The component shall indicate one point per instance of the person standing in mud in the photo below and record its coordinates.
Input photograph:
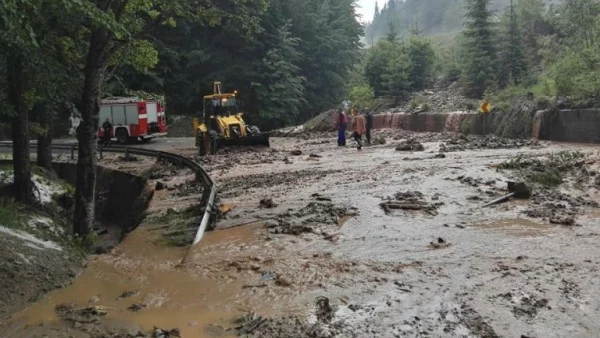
(107, 127)
(341, 124)
(369, 125)
(358, 128)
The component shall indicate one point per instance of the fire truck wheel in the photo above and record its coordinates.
(122, 136)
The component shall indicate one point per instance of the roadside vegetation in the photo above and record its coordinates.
(550, 171)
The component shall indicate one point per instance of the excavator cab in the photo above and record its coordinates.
(221, 123)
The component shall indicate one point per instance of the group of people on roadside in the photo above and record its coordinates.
(361, 125)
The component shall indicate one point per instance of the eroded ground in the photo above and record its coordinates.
(307, 249)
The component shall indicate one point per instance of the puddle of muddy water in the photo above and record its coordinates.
(516, 227)
(170, 296)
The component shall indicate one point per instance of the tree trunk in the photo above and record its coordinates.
(23, 187)
(44, 147)
(85, 187)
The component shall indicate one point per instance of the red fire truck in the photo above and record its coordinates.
(133, 119)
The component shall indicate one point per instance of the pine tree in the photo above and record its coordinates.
(480, 60)
(392, 34)
(282, 87)
(422, 59)
(513, 65)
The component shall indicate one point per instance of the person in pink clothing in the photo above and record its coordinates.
(359, 127)
(341, 122)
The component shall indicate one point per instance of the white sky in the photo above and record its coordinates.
(366, 8)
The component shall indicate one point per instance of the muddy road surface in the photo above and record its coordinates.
(314, 240)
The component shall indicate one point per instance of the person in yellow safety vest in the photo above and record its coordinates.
(358, 127)
(485, 107)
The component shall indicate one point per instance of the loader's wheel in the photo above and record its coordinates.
(213, 138)
(208, 143)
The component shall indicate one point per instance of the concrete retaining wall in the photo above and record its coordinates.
(121, 198)
(433, 122)
(580, 126)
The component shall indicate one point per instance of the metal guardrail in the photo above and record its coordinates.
(208, 195)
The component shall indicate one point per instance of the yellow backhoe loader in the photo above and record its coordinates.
(220, 123)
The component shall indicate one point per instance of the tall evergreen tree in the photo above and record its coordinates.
(281, 89)
(422, 59)
(513, 65)
(392, 34)
(480, 60)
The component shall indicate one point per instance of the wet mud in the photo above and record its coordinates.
(321, 233)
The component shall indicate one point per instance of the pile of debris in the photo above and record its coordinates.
(470, 142)
(441, 98)
(411, 201)
(558, 207)
(553, 170)
(316, 217)
(326, 322)
(410, 145)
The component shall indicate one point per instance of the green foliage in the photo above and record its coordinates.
(479, 53)
(362, 97)
(513, 64)
(396, 76)
(282, 88)
(377, 63)
(422, 59)
(11, 214)
(394, 70)
(549, 171)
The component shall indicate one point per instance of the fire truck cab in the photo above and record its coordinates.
(132, 119)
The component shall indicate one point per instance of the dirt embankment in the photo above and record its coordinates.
(38, 252)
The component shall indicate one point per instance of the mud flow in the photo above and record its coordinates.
(315, 240)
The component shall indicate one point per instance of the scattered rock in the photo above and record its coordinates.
(563, 220)
(315, 156)
(296, 152)
(411, 200)
(439, 244)
(160, 185)
(267, 203)
(410, 145)
(281, 281)
(310, 219)
(128, 293)
(136, 307)
(162, 333)
(90, 314)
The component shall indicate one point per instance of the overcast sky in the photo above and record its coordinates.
(366, 8)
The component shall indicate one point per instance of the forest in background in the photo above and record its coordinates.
(430, 17)
(499, 49)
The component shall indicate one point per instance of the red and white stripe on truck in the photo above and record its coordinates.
(132, 119)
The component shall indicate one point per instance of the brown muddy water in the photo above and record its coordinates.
(497, 274)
